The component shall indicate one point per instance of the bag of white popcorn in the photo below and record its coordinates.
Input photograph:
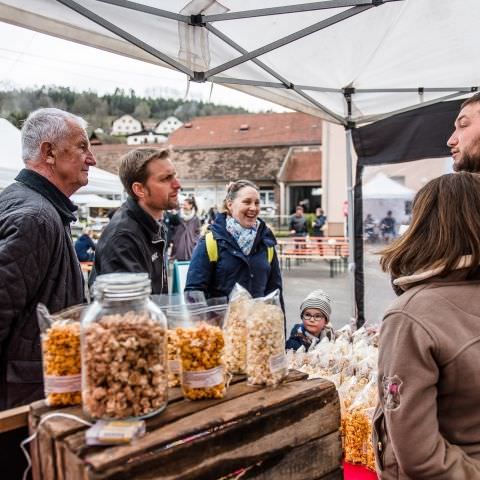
(235, 329)
(266, 358)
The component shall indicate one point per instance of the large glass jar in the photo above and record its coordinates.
(124, 350)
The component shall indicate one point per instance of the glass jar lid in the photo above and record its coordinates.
(122, 286)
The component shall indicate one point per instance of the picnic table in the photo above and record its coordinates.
(333, 250)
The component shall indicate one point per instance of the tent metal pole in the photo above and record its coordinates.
(304, 32)
(147, 9)
(126, 36)
(350, 227)
(375, 118)
(303, 7)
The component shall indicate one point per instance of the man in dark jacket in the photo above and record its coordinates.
(298, 223)
(37, 259)
(135, 238)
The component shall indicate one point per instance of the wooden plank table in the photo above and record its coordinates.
(290, 432)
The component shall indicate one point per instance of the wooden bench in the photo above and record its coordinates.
(333, 250)
(291, 432)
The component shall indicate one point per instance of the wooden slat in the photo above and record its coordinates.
(14, 418)
(178, 410)
(314, 459)
(262, 426)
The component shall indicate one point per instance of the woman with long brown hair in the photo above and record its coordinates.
(427, 422)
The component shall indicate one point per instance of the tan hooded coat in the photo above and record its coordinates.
(427, 423)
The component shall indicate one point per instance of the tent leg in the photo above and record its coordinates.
(350, 228)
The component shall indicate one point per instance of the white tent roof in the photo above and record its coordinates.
(380, 187)
(91, 200)
(99, 181)
(345, 60)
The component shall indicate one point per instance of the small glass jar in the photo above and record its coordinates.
(124, 350)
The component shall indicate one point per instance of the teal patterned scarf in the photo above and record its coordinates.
(243, 236)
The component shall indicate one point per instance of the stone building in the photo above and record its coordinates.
(269, 149)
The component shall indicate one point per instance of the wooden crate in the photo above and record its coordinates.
(291, 432)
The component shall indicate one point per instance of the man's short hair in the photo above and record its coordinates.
(473, 99)
(46, 125)
(134, 166)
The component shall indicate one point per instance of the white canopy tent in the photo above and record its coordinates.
(99, 181)
(351, 62)
(380, 187)
(90, 200)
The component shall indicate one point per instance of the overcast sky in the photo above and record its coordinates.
(29, 59)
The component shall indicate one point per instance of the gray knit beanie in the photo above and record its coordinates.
(317, 299)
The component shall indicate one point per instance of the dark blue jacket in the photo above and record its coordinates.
(82, 247)
(253, 272)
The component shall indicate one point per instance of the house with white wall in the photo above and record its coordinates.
(167, 126)
(145, 137)
(125, 125)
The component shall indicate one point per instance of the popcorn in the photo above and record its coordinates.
(124, 360)
(201, 352)
(174, 362)
(236, 333)
(350, 361)
(62, 363)
(266, 359)
(356, 434)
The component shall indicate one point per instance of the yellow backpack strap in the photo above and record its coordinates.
(270, 254)
(212, 248)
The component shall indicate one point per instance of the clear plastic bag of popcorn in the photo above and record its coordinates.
(357, 426)
(124, 350)
(236, 330)
(173, 306)
(61, 359)
(200, 343)
(266, 357)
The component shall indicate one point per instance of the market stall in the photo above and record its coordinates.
(249, 430)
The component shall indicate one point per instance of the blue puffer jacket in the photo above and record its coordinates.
(253, 272)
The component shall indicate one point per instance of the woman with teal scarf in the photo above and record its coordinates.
(245, 247)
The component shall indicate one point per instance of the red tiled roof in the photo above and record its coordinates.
(303, 166)
(263, 129)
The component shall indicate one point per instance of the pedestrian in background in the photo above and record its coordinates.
(85, 246)
(319, 223)
(427, 423)
(298, 223)
(187, 232)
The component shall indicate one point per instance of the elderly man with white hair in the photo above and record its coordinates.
(38, 263)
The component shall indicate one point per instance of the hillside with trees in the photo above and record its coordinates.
(100, 111)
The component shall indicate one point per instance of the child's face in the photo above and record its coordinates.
(314, 321)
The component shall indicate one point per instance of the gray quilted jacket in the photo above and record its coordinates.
(37, 264)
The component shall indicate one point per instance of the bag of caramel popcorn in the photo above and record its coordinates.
(60, 339)
(266, 358)
(357, 426)
(173, 306)
(236, 330)
(200, 344)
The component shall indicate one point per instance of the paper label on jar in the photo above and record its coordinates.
(203, 378)
(278, 362)
(174, 366)
(62, 384)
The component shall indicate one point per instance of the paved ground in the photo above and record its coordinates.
(302, 279)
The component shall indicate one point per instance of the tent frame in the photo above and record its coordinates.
(214, 74)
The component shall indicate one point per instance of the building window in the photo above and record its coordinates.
(267, 198)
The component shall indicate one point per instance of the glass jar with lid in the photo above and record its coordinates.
(124, 350)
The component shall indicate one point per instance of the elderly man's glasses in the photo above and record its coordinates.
(317, 317)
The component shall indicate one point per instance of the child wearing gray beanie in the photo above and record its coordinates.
(315, 313)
